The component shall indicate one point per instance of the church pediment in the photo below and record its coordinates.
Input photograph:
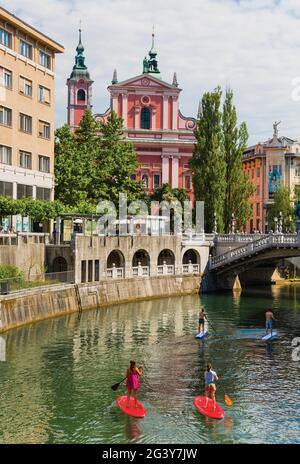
(144, 81)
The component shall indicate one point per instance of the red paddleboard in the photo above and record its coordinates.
(209, 411)
(131, 410)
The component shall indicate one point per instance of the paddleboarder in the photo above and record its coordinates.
(269, 320)
(202, 316)
(210, 377)
(133, 383)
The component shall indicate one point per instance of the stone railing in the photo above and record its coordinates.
(23, 237)
(236, 238)
(266, 241)
(115, 273)
(141, 271)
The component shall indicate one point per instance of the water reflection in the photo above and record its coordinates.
(55, 383)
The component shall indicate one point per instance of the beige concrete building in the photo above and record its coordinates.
(27, 104)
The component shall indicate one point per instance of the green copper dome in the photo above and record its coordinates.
(150, 66)
(80, 70)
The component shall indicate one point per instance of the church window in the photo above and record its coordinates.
(81, 95)
(145, 118)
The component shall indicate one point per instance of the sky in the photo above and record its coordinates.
(251, 46)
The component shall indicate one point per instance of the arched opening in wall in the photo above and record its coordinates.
(81, 95)
(191, 256)
(141, 256)
(59, 264)
(166, 257)
(145, 118)
(145, 181)
(115, 259)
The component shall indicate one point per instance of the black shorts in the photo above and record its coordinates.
(201, 321)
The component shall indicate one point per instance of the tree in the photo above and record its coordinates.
(71, 181)
(282, 204)
(115, 163)
(208, 161)
(167, 193)
(238, 187)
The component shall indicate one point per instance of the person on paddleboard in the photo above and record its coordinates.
(133, 383)
(202, 316)
(210, 377)
(269, 320)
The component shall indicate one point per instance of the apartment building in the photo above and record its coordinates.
(27, 105)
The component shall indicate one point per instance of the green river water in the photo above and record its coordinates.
(56, 377)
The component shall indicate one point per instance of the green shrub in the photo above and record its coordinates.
(7, 271)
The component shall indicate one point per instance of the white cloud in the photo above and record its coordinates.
(251, 45)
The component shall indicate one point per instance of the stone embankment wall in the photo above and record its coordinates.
(40, 303)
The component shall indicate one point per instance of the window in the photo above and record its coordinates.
(145, 181)
(90, 270)
(26, 49)
(257, 172)
(43, 194)
(25, 159)
(257, 209)
(156, 181)
(5, 154)
(25, 87)
(5, 116)
(44, 130)
(6, 189)
(44, 59)
(44, 163)
(187, 183)
(297, 170)
(6, 78)
(97, 268)
(24, 191)
(44, 95)
(83, 271)
(81, 95)
(25, 123)
(5, 38)
(145, 118)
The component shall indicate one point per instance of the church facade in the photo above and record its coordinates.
(163, 137)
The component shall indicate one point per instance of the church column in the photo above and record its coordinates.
(175, 161)
(165, 112)
(165, 169)
(137, 111)
(175, 112)
(114, 96)
(153, 118)
(124, 107)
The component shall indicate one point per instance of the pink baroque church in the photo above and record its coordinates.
(149, 106)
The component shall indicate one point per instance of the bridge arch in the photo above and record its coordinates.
(141, 256)
(192, 256)
(166, 256)
(115, 259)
(59, 264)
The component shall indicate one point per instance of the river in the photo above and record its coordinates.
(56, 377)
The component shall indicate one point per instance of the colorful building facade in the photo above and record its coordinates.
(269, 164)
(27, 105)
(149, 106)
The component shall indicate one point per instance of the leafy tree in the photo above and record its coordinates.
(69, 168)
(167, 193)
(282, 204)
(208, 161)
(238, 187)
(115, 163)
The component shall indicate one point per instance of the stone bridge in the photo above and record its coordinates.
(248, 260)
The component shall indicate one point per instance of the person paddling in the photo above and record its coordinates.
(210, 377)
(269, 320)
(202, 316)
(133, 383)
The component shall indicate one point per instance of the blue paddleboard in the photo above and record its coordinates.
(202, 334)
(269, 337)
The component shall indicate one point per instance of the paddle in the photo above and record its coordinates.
(116, 385)
(227, 399)
(210, 324)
